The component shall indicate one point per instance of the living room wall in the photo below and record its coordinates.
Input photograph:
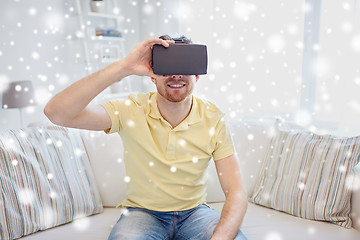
(40, 42)
(295, 60)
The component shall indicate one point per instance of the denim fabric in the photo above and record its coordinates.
(140, 224)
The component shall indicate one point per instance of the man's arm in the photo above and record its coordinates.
(235, 205)
(70, 107)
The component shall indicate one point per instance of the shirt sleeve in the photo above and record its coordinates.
(224, 146)
(113, 108)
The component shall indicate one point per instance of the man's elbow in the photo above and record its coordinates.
(243, 197)
(53, 115)
(240, 195)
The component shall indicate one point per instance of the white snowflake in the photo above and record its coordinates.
(81, 224)
(32, 11)
(79, 152)
(212, 131)
(47, 217)
(148, 9)
(303, 117)
(273, 236)
(276, 43)
(355, 43)
(182, 142)
(250, 137)
(50, 176)
(130, 123)
(26, 196)
(127, 179)
(243, 10)
(301, 186)
(346, 6)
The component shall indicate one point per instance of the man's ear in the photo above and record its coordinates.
(197, 77)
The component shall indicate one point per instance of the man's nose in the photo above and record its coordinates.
(176, 76)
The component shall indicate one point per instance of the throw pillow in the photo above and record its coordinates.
(46, 180)
(305, 174)
(354, 184)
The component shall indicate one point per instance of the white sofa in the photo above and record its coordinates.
(251, 141)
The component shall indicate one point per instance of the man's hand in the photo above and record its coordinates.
(70, 107)
(138, 62)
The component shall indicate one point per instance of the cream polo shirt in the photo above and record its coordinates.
(166, 166)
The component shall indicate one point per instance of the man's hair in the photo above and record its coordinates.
(183, 38)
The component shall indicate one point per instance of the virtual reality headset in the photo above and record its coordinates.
(180, 59)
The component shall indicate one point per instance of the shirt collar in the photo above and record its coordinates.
(193, 117)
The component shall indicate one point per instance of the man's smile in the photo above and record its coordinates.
(176, 85)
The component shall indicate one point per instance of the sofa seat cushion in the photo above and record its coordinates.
(94, 227)
(261, 223)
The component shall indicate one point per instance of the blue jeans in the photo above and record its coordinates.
(142, 224)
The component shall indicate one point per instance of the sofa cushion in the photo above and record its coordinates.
(96, 227)
(305, 174)
(261, 223)
(354, 184)
(46, 180)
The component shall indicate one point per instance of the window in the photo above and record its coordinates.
(337, 97)
(255, 54)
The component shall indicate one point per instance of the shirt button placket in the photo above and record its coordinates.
(170, 153)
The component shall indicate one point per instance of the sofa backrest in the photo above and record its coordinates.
(251, 141)
(106, 153)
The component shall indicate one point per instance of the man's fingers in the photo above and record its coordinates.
(151, 41)
(170, 41)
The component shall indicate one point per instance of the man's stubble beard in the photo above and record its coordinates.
(176, 98)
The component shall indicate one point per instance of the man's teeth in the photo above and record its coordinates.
(177, 85)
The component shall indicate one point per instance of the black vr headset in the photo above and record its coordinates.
(179, 59)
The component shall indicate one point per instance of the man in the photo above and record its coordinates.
(169, 137)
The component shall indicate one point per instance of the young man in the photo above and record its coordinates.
(169, 138)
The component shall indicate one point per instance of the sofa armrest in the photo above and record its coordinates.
(355, 197)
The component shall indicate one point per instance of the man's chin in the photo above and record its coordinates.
(176, 98)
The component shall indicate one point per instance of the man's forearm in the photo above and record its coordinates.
(71, 101)
(232, 215)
